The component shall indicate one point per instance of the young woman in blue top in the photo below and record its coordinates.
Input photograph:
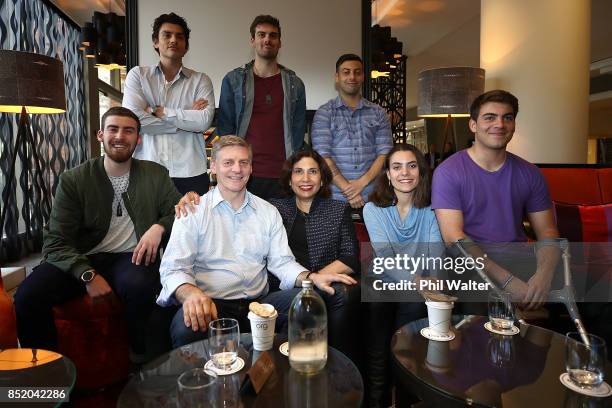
(399, 220)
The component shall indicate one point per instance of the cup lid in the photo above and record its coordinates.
(268, 307)
(440, 305)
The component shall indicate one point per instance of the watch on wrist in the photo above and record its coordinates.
(88, 276)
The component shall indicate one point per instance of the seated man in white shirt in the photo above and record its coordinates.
(217, 259)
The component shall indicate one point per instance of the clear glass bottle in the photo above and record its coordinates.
(307, 331)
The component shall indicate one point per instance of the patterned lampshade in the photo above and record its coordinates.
(449, 91)
(33, 81)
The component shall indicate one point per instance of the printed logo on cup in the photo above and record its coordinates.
(262, 326)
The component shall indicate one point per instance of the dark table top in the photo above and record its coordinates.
(486, 369)
(338, 385)
(18, 369)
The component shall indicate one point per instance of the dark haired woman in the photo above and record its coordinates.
(322, 238)
(399, 220)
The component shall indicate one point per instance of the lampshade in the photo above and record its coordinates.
(31, 80)
(449, 91)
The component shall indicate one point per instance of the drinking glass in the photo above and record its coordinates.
(501, 350)
(501, 312)
(197, 388)
(224, 340)
(585, 364)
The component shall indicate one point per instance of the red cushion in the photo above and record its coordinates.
(8, 325)
(573, 185)
(362, 232)
(605, 184)
(94, 336)
(584, 223)
(365, 249)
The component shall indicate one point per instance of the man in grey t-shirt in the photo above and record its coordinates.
(108, 218)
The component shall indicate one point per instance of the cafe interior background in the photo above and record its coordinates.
(555, 55)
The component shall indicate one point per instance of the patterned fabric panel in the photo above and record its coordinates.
(60, 140)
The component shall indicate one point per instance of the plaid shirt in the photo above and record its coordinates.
(352, 138)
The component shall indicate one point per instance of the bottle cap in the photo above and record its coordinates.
(307, 283)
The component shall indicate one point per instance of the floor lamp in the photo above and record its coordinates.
(29, 84)
(448, 93)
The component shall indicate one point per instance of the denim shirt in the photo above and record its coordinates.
(236, 105)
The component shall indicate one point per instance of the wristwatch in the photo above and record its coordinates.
(88, 276)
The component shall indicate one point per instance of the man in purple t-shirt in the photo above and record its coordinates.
(482, 193)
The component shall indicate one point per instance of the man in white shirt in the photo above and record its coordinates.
(217, 259)
(175, 106)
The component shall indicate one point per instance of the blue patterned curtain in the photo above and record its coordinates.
(61, 140)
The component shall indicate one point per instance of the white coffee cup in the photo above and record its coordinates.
(262, 329)
(438, 356)
(439, 314)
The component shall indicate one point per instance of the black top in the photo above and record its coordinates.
(329, 232)
(297, 240)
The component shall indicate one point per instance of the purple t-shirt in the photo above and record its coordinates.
(493, 203)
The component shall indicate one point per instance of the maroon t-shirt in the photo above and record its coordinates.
(265, 132)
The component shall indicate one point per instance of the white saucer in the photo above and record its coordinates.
(284, 349)
(429, 334)
(602, 390)
(514, 330)
(237, 366)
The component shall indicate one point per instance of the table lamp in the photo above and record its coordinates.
(448, 93)
(29, 84)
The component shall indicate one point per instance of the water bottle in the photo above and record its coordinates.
(307, 331)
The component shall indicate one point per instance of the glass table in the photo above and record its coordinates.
(480, 368)
(38, 370)
(338, 385)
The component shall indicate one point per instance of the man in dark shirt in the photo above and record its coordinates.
(265, 103)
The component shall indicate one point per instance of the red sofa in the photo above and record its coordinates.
(582, 195)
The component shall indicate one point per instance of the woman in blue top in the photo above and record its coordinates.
(399, 221)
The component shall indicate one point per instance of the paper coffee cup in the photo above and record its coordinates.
(262, 329)
(439, 314)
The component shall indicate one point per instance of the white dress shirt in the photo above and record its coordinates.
(174, 140)
(227, 252)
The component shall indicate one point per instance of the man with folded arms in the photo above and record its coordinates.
(481, 194)
(108, 218)
(217, 259)
(175, 104)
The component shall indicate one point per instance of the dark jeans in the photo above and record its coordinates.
(383, 319)
(136, 285)
(236, 309)
(265, 188)
(199, 184)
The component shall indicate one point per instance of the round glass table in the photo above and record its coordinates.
(338, 385)
(481, 368)
(37, 371)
